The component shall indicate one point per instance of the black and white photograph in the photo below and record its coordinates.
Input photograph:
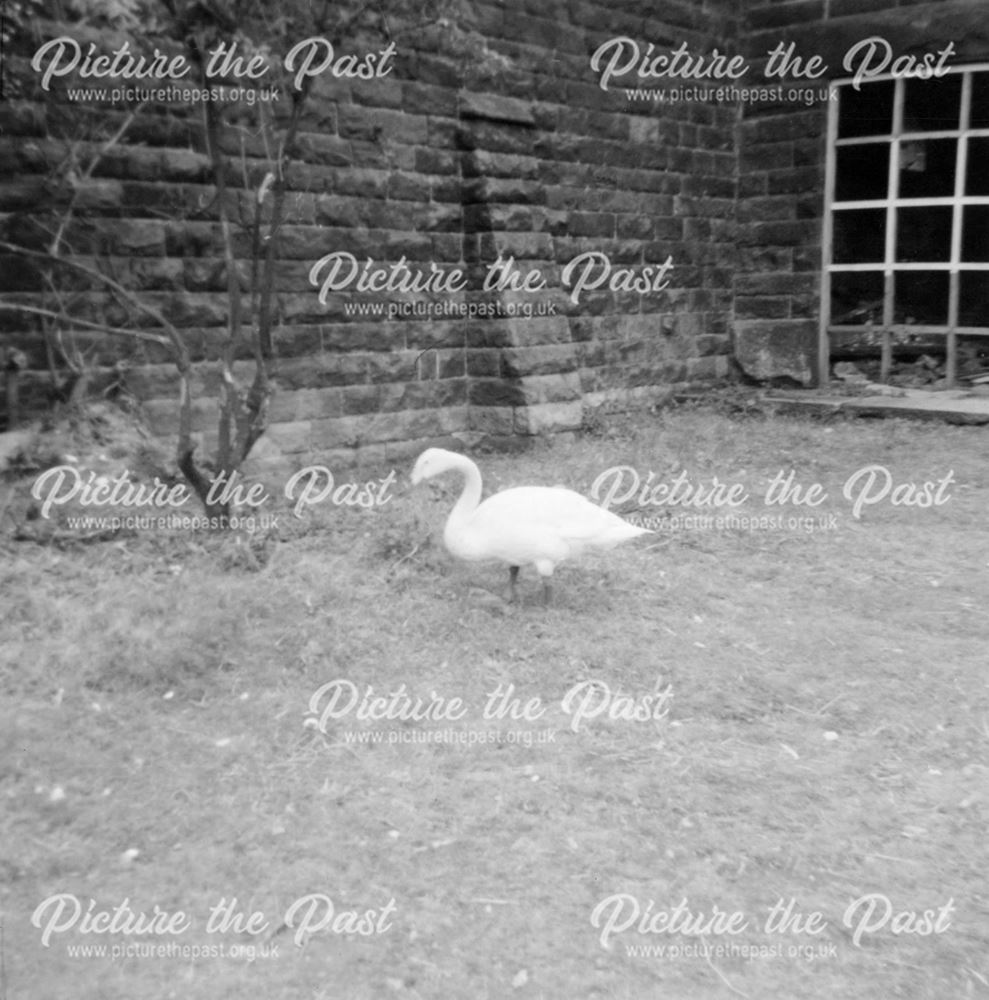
(494, 499)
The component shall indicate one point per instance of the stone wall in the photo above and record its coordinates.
(451, 163)
(437, 163)
(782, 147)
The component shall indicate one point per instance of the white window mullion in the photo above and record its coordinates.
(827, 249)
(957, 218)
(892, 193)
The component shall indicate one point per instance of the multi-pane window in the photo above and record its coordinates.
(907, 234)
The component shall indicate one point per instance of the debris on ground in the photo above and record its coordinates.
(97, 441)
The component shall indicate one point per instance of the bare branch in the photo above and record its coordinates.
(88, 173)
(173, 336)
(117, 331)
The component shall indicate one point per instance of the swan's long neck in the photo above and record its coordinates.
(467, 503)
(470, 496)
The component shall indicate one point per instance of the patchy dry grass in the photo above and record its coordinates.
(827, 738)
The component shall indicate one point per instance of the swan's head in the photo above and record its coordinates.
(433, 462)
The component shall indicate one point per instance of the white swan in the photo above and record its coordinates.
(542, 525)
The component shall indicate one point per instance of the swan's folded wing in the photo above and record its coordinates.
(553, 517)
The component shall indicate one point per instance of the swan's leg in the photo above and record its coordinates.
(513, 575)
(545, 571)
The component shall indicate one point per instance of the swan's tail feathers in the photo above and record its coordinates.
(624, 532)
(595, 527)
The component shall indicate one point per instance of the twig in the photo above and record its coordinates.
(115, 330)
(902, 965)
(88, 173)
(128, 296)
(982, 979)
(407, 556)
(185, 449)
(719, 973)
(817, 712)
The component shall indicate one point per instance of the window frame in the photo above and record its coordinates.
(889, 266)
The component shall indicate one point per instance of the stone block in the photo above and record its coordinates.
(782, 233)
(484, 363)
(324, 150)
(391, 366)
(784, 349)
(163, 415)
(382, 124)
(306, 404)
(709, 343)
(408, 187)
(136, 236)
(359, 182)
(797, 180)
(636, 227)
(495, 392)
(539, 389)
(335, 432)
(357, 399)
(406, 425)
(498, 420)
(428, 100)
(781, 15)
(436, 161)
(436, 393)
(598, 224)
(538, 360)
(292, 437)
(485, 163)
(549, 418)
(450, 363)
(761, 307)
(774, 283)
(524, 332)
(321, 371)
(525, 247)
(495, 107)
(181, 165)
(420, 337)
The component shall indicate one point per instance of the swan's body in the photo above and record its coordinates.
(541, 525)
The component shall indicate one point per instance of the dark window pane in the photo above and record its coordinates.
(862, 172)
(923, 234)
(868, 111)
(977, 172)
(979, 116)
(975, 233)
(927, 168)
(920, 297)
(932, 105)
(973, 298)
(973, 355)
(856, 298)
(860, 236)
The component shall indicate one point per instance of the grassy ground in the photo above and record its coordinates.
(826, 739)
